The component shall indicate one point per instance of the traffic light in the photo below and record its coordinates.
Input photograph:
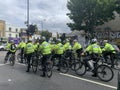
(31, 30)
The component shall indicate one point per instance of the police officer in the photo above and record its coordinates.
(21, 46)
(77, 47)
(67, 48)
(94, 51)
(29, 50)
(36, 46)
(109, 50)
(11, 47)
(45, 50)
(59, 50)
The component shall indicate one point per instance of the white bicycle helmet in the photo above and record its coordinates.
(94, 40)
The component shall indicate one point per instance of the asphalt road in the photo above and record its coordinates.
(16, 78)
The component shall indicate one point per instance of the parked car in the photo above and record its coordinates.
(3, 47)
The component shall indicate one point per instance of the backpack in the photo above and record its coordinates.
(13, 46)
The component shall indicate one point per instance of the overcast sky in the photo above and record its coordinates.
(51, 12)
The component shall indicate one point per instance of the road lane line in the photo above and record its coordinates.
(87, 80)
(2, 64)
(21, 64)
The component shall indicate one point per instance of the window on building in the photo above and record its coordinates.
(10, 28)
(10, 35)
(16, 30)
(16, 36)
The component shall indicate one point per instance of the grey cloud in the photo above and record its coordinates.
(53, 11)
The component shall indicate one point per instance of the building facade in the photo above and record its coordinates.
(2, 32)
(2, 28)
(110, 30)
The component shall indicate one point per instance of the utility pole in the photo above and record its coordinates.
(28, 17)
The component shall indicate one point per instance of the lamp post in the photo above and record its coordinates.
(28, 17)
(27, 13)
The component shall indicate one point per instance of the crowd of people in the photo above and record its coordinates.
(58, 48)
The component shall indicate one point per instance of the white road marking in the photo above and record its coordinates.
(83, 79)
(9, 80)
(87, 80)
(20, 64)
(2, 64)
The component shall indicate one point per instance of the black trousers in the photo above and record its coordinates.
(112, 56)
(93, 57)
(79, 51)
(59, 58)
(68, 53)
(29, 58)
(44, 60)
(7, 55)
(22, 54)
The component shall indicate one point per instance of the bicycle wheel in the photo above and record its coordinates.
(75, 66)
(39, 65)
(12, 60)
(49, 69)
(34, 65)
(19, 57)
(64, 67)
(105, 73)
(55, 62)
(82, 69)
(117, 64)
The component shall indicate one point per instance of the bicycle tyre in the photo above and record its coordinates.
(34, 65)
(49, 70)
(117, 64)
(64, 67)
(12, 60)
(82, 69)
(102, 70)
(75, 66)
(19, 57)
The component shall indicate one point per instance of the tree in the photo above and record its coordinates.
(87, 14)
(32, 29)
(46, 34)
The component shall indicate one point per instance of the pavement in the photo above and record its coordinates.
(16, 78)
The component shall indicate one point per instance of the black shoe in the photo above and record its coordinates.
(27, 71)
(42, 75)
(94, 75)
(112, 66)
(88, 69)
(58, 69)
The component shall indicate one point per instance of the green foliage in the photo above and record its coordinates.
(31, 30)
(46, 34)
(87, 14)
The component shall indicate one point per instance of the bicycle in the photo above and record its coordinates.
(61, 63)
(19, 58)
(104, 72)
(11, 59)
(72, 61)
(36, 64)
(107, 61)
